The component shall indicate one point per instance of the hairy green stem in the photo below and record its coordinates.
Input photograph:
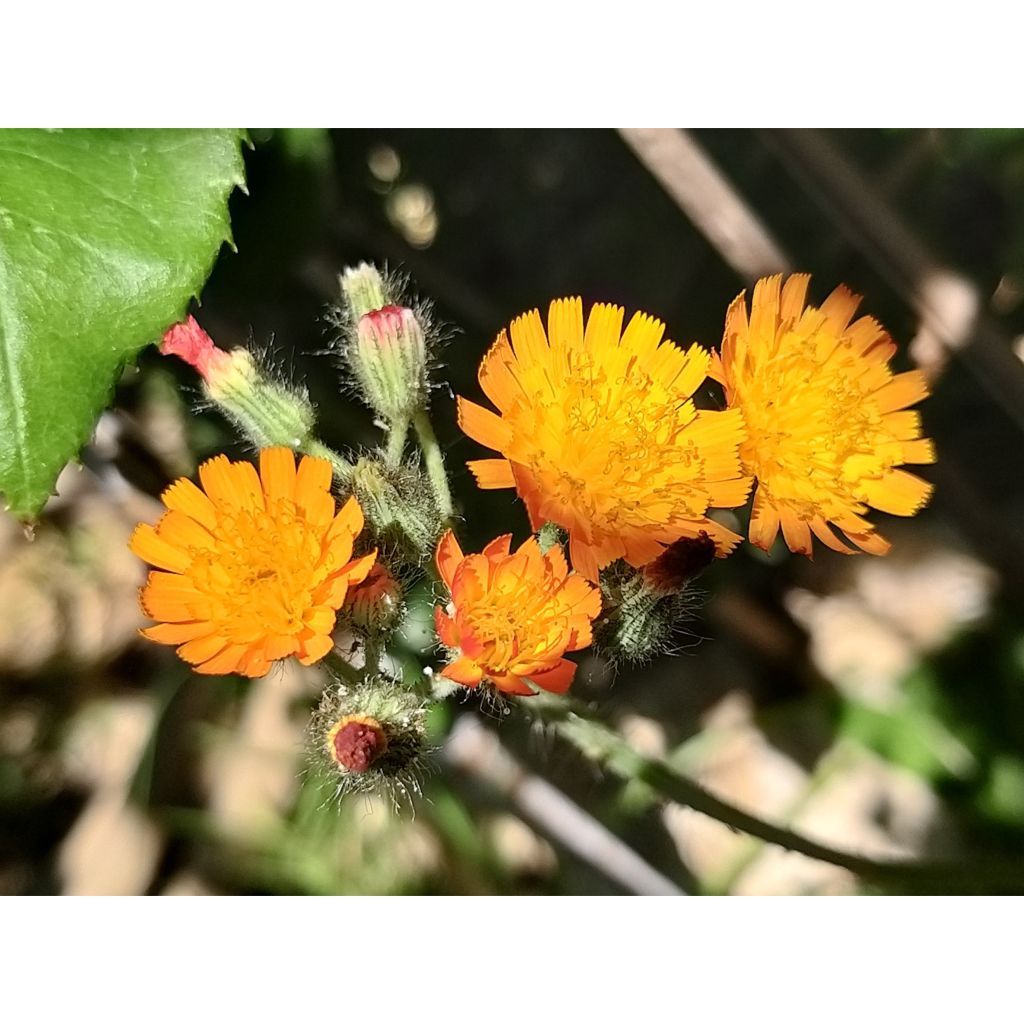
(434, 462)
(600, 743)
(396, 442)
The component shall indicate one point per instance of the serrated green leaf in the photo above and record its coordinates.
(105, 236)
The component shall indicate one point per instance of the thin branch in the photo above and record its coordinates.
(705, 195)
(600, 743)
(477, 751)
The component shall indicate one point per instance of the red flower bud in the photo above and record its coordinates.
(190, 342)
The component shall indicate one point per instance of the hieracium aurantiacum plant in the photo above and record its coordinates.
(630, 479)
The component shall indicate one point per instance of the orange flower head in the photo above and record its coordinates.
(512, 616)
(253, 567)
(598, 434)
(827, 420)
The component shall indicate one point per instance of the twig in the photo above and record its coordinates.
(600, 743)
(476, 750)
(705, 195)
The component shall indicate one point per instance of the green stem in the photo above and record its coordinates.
(371, 656)
(434, 462)
(598, 742)
(396, 442)
(341, 466)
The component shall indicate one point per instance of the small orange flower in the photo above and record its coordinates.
(254, 569)
(827, 420)
(512, 616)
(598, 433)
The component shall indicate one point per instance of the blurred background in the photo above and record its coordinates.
(876, 705)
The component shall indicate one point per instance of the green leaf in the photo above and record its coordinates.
(105, 236)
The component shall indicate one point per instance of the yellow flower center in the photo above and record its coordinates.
(261, 572)
(813, 430)
(611, 449)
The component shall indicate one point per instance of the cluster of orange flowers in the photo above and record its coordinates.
(597, 430)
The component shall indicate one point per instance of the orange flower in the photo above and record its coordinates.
(599, 434)
(512, 617)
(826, 418)
(254, 569)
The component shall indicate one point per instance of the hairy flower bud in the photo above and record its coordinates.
(364, 290)
(265, 411)
(645, 609)
(399, 504)
(376, 604)
(389, 360)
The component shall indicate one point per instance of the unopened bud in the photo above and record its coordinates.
(399, 503)
(375, 605)
(364, 290)
(265, 411)
(389, 360)
(681, 562)
(645, 609)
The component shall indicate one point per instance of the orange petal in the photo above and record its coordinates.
(642, 335)
(182, 531)
(839, 307)
(764, 309)
(604, 326)
(499, 547)
(529, 342)
(483, 426)
(228, 661)
(277, 471)
(315, 648)
(497, 375)
(464, 671)
(764, 522)
(794, 296)
(821, 530)
(227, 484)
(903, 390)
(796, 532)
(357, 570)
(557, 679)
(202, 649)
(492, 474)
(349, 521)
(177, 632)
(898, 493)
(153, 549)
(584, 558)
(449, 557)
(184, 496)
(445, 626)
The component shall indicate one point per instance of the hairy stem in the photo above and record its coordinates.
(600, 743)
(396, 442)
(434, 462)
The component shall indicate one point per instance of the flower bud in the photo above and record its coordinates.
(363, 289)
(371, 737)
(399, 504)
(376, 604)
(681, 562)
(389, 360)
(265, 411)
(645, 609)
